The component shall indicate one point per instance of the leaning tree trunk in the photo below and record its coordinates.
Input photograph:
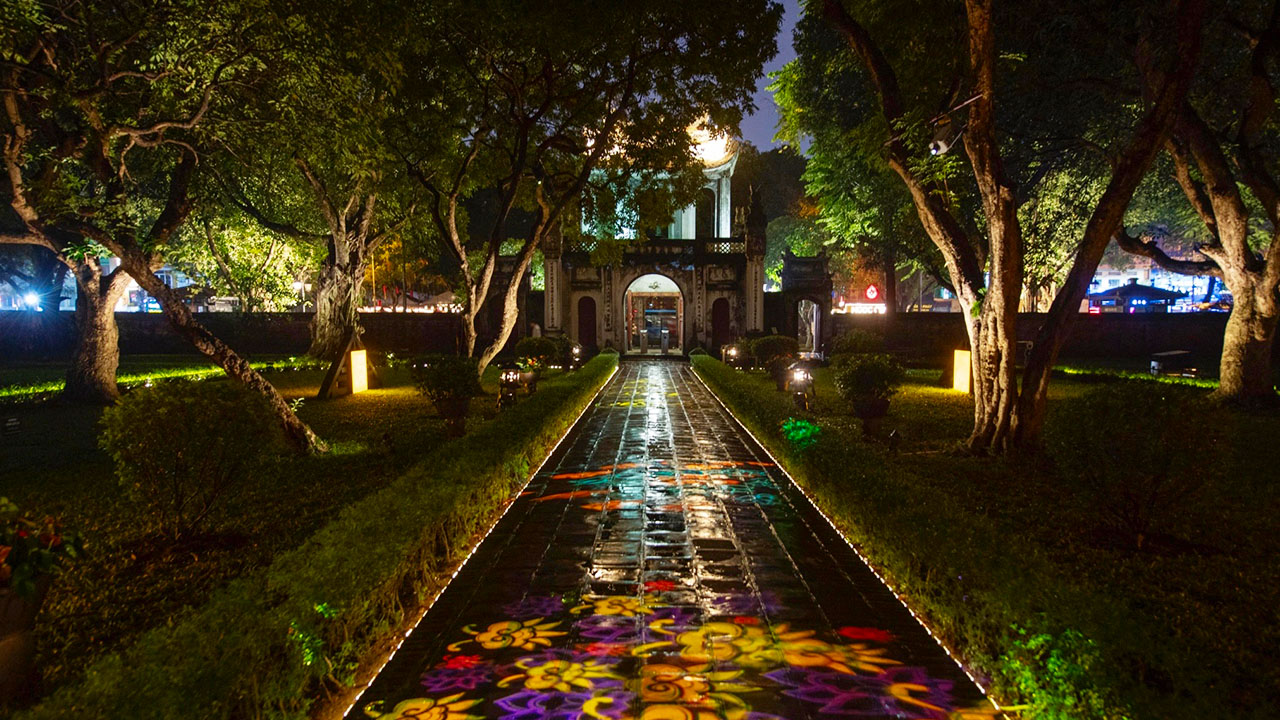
(184, 323)
(337, 297)
(1245, 372)
(92, 375)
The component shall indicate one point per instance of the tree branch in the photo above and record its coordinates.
(327, 207)
(1149, 249)
(248, 208)
(178, 204)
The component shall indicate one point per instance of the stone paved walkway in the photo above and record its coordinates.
(660, 568)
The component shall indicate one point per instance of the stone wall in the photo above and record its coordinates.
(935, 335)
(25, 335)
(926, 336)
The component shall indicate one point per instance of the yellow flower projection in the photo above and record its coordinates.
(621, 605)
(746, 645)
(676, 712)
(698, 687)
(753, 646)
(800, 649)
(452, 707)
(559, 675)
(527, 635)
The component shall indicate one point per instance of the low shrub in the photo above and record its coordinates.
(697, 351)
(775, 353)
(767, 349)
(867, 382)
(856, 342)
(1144, 451)
(180, 449)
(540, 352)
(564, 349)
(270, 645)
(450, 381)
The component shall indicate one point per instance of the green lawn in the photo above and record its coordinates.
(131, 582)
(1187, 628)
(19, 380)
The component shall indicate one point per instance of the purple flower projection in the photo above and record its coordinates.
(676, 619)
(534, 705)
(608, 629)
(894, 692)
(457, 679)
(534, 606)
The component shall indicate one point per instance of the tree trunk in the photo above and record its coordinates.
(1245, 374)
(890, 299)
(184, 323)
(92, 375)
(993, 382)
(469, 335)
(337, 298)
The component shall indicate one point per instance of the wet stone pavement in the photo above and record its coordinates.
(659, 567)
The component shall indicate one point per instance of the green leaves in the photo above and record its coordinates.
(85, 249)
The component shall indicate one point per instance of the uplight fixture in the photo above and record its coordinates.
(359, 365)
(960, 371)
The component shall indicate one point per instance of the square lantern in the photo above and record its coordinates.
(359, 371)
(960, 371)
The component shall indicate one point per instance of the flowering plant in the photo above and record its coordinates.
(31, 549)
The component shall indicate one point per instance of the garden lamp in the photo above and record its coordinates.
(508, 384)
(800, 382)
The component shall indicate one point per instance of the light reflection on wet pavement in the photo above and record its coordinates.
(660, 568)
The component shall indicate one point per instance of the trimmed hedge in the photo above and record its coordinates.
(269, 645)
(1040, 637)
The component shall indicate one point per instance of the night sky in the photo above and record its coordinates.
(759, 127)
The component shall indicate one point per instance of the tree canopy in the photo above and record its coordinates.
(581, 130)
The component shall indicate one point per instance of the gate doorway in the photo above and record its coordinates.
(587, 323)
(721, 334)
(655, 316)
(808, 317)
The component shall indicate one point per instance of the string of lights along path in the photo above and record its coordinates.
(661, 567)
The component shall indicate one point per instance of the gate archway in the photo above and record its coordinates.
(655, 315)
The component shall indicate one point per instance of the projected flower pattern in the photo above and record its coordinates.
(635, 657)
(699, 671)
(653, 653)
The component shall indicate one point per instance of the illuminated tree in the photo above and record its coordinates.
(108, 109)
(310, 160)
(1221, 161)
(231, 256)
(920, 98)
